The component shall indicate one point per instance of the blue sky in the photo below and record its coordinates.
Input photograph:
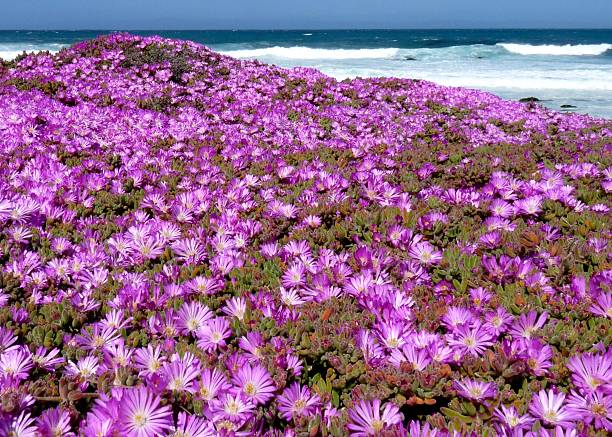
(309, 14)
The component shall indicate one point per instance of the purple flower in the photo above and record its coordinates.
(297, 401)
(592, 408)
(192, 316)
(193, 426)
(425, 253)
(409, 353)
(510, 420)
(54, 422)
(214, 333)
(141, 415)
(475, 390)
(549, 406)
(366, 418)
(235, 408)
(180, 375)
(255, 383)
(473, 340)
(527, 324)
(16, 363)
(592, 372)
(211, 385)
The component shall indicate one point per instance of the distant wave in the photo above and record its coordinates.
(12, 50)
(553, 50)
(312, 53)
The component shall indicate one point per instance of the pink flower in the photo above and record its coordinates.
(141, 415)
(366, 418)
(297, 401)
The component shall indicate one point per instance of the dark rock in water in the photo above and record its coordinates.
(479, 57)
(409, 58)
(567, 106)
(529, 99)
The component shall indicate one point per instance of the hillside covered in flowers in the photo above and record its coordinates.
(192, 245)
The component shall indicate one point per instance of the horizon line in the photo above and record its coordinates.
(294, 29)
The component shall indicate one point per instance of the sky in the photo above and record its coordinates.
(308, 14)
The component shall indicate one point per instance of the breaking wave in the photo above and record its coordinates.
(313, 53)
(553, 50)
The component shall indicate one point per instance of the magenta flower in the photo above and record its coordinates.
(234, 408)
(149, 360)
(193, 426)
(602, 306)
(214, 333)
(548, 405)
(527, 324)
(294, 276)
(211, 384)
(538, 357)
(593, 408)
(180, 376)
(425, 253)
(298, 401)
(529, 206)
(475, 390)
(472, 340)
(16, 363)
(592, 372)
(510, 420)
(255, 383)
(409, 353)
(54, 422)
(366, 418)
(21, 426)
(141, 415)
(192, 316)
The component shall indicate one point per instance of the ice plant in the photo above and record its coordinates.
(475, 390)
(141, 415)
(194, 245)
(367, 419)
(297, 401)
(548, 406)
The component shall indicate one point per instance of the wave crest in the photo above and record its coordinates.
(553, 50)
(312, 53)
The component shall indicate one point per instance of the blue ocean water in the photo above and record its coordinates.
(560, 67)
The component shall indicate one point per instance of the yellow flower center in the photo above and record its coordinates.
(378, 425)
(250, 389)
(139, 419)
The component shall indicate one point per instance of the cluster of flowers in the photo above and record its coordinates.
(192, 245)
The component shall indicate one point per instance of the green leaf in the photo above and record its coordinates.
(455, 415)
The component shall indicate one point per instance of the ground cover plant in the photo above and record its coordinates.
(193, 245)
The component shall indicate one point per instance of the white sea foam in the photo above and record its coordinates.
(12, 50)
(553, 50)
(309, 53)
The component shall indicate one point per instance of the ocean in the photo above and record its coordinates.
(568, 70)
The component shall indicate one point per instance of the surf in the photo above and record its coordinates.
(557, 50)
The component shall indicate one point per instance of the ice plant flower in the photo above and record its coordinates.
(367, 419)
(297, 401)
(188, 239)
(255, 383)
(141, 415)
(593, 408)
(475, 390)
(548, 406)
(510, 420)
(592, 372)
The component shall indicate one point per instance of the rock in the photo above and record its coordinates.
(568, 106)
(529, 99)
